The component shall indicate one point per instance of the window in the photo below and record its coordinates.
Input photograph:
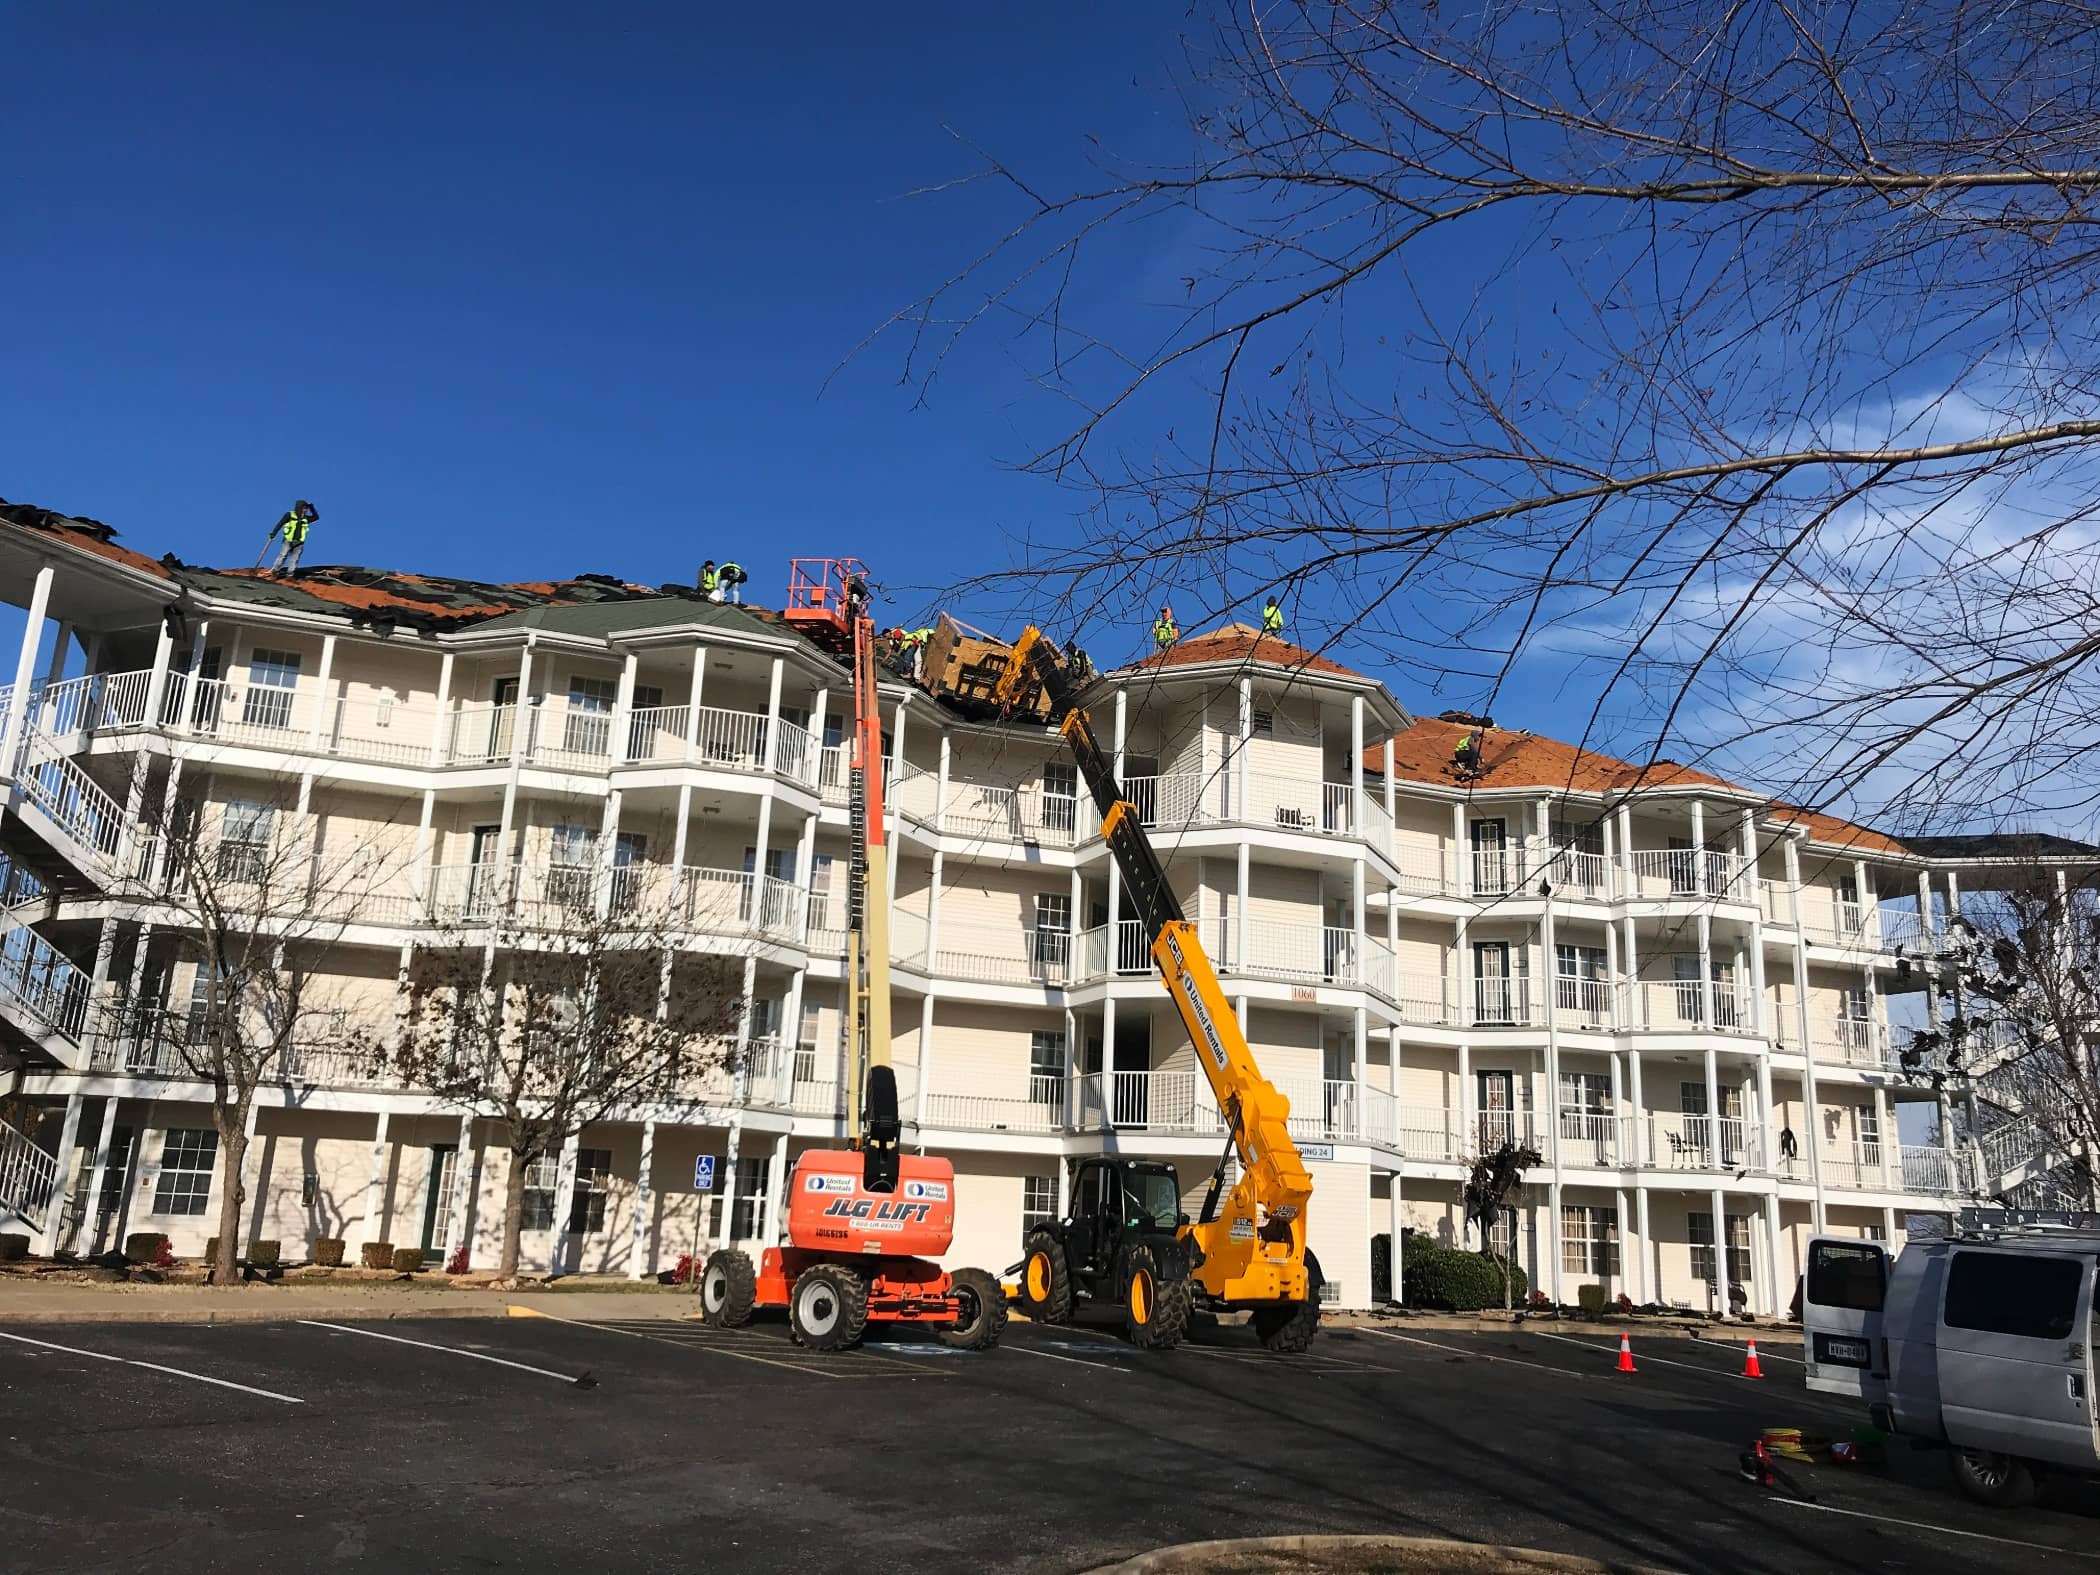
(570, 853)
(1052, 940)
(587, 724)
(1589, 1240)
(1502, 1239)
(2014, 1293)
(1038, 1200)
(1578, 983)
(187, 1155)
(1046, 1067)
(1587, 1093)
(1700, 1228)
(750, 1212)
(1684, 867)
(272, 676)
(1843, 1276)
(244, 840)
(541, 1173)
(1060, 797)
(587, 1204)
(806, 1044)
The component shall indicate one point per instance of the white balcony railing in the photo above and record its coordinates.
(1688, 1142)
(40, 980)
(1680, 1006)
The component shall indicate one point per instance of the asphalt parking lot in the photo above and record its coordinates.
(469, 1444)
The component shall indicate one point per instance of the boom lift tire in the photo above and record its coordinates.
(728, 1289)
(1046, 1280)
(1289, 1330)
(983, 1317)
(1155, 1303)
(828, 1308)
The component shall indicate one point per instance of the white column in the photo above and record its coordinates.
(776, 1191)
(1396, 1227)
(1239, 911)
(1363, 1063)
(1468, 1130)
(1108, 1058)
(375, 1223)
(1239, 764)
(1641, 1145)
(25, 665)
(1643, 1293)
(1707, 1019)
(1814, 1120)
(772, 746)
(439, 720)
(1392, 791)
(1357, 899)
(1356, 763)
(564, 1200)
(1720, 1208)
(1621, 1219)
(1713, 1109)
(889, 800)
(324, 718)
(465, 1166)
(637, 1268)
(1071, 1100)
(925, 1061)
(68, 1140)
(623, 711)
(940, 800)
(1775, 1304)
(933, 913)
(1891, 1166)
(1619, 1123)
(692, 705)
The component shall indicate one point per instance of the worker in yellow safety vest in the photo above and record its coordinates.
(1465, 754)
(290, 535)
(1164, 633)
(913, 649)
(1271, 617)
(710, 580)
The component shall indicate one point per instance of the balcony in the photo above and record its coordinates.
(695, 900)
(1041, 1109)
(1694, 1142)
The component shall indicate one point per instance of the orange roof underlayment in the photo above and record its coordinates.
(1236, 642)
(1513, 759)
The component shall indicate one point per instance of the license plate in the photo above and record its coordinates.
(1843, 1352)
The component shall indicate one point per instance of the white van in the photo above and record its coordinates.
(1981, 1340)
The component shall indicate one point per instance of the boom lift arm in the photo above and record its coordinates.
(1254, 1251)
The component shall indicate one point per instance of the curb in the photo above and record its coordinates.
(197, 1315)
(1193, 1556)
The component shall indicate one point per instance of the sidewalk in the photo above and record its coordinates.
(349, 1302)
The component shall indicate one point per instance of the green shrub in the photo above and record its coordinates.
(145, 1246)
(408, 1260)
(376, 1255)
(328, 1251)
(13, 1248)
(1590, 1298)
(1455, 1281)
(265, 1254)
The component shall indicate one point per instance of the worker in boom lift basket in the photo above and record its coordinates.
(291, 527)
(1164, 633)
(912, 653)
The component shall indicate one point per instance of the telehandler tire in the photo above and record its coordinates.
(728, 1290)
(828, 1307)
(983, 1317)
(1046, 1279)
(1155, 1304)
(1289, 1330)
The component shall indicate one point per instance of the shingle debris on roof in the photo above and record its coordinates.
(77, 531)
(1237, 642)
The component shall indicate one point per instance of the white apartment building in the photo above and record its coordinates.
(1674, 988)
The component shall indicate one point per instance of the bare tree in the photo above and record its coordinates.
(550, 1015)
(1740, 355)
(2020, 979)
(260, 906)
(1494, 1182)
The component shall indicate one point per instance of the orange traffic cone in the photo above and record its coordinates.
(1750, 1367)
(1626, 1355)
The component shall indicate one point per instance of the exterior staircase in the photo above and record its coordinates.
(28, 1178)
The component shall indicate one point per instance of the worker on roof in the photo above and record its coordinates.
(710, 580)
(728, 586)
(1465, 754)
(1271, 617)
(913, 651)
(292, 527)
(1164, 633)
(1081, 664)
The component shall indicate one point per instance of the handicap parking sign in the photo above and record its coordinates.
(704, 1173)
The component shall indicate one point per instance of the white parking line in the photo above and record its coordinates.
(1481, 1356)
(583, 1381)
(1943, 1531)
(156, 1367)
(1029, 1350)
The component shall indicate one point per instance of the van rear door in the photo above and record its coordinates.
(1842, 1297)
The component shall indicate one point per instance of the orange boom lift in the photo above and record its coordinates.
(864, 1222)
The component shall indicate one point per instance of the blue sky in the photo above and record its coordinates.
(525, 290)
